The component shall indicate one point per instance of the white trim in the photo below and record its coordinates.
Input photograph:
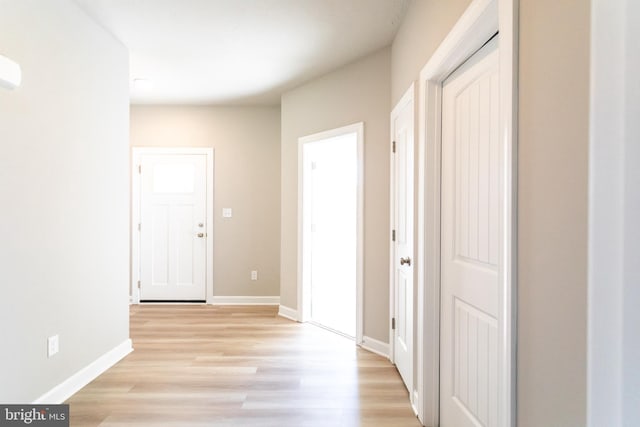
(613, 348)
(288, 313)
(84, 376)
(508, 13)
(375, 346)
(244, 300)
(303, 291)
(481, 20)
(134, 232)
(210, 220)
(136, 153)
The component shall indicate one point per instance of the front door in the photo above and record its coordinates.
(470, 239)
(402, 264)
(173, 228)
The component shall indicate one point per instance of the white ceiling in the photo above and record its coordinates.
(241, 51)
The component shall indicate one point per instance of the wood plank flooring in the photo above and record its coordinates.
(234, 366)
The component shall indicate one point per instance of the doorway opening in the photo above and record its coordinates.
(330, 230)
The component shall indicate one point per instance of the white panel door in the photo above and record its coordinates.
(173, 227)
(402, 263)
(470, 243)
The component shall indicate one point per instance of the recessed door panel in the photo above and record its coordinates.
(159, 245)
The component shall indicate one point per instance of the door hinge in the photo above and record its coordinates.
(393, 235)
(139, 226)
(393, 146)
(139, 168)
(393, 323)
(138, 284)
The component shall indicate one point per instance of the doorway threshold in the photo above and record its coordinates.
(335, 331)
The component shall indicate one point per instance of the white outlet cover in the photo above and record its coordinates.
(53, 345)
(254, 275)
(227, 212)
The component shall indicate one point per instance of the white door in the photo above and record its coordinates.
(331, 166)
(402, 224)
(173, 229)
(470, 242)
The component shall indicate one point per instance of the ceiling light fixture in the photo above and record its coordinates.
(10, 73)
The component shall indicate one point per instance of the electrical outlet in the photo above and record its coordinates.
(53, 345)
(254, 275)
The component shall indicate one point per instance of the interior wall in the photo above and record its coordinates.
(64, 188)
(425, 25)
(552, 199)
(246, 143)
(358, 92)
(553, 167)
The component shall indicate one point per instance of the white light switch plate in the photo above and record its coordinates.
(227, 212)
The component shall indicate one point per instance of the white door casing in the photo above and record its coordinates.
(172, 224)
(613, 352)
(471, 172)
(402, 223)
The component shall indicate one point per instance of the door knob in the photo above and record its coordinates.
(404, 261)
(200, 234)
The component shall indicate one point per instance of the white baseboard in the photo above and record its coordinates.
(84, 376)
(225, 300)
(375, 346)
(288, 313)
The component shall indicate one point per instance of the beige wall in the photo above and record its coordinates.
(552, 207)
(358, 92)
(552, 261)
(63, 184)
(425, 25)
(246, 142)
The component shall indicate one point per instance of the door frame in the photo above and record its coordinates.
(481, 20)
(614, 228)
(136, 154)
(407, 97)
(304, 293)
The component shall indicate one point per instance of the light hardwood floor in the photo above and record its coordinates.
(237, 366)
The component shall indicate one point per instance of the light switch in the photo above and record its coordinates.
(227, 213)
